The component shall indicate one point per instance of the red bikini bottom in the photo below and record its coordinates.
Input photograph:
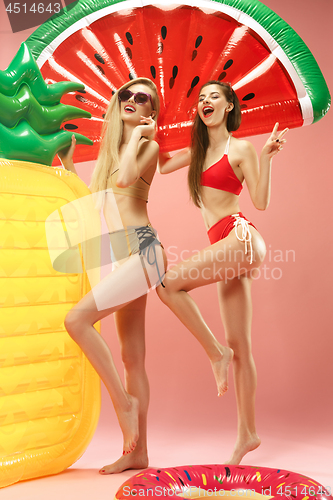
(224, 226)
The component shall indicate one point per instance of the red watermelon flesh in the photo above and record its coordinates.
(179, 49)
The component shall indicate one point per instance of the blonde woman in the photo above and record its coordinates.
(121, 180)
(219, 164)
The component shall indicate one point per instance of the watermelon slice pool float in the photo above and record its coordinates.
(104, 43)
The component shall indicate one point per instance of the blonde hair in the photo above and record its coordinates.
(112, 131)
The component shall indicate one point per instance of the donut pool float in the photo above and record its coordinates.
(217, 481)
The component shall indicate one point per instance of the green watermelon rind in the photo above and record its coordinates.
(295, 49)
(286, 40)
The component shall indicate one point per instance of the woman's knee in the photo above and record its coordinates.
(240, 346)
(164, 290)
(133, 362)
(72, 324)
(167, 290)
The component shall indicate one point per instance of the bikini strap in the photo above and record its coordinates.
(140, 177)
(227, 146)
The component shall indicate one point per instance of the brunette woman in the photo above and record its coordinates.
(219, 164)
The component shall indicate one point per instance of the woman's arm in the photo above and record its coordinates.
(136, 158)
(66, 156)
(259, 180)
(167, 164)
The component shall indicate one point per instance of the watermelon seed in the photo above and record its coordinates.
(153, 71)
(248, 96)
(164, 32)
(174, 75)
(129, 52)
(103, 116)
(198, 41)
(70, 126)
(99, 58)
(81, 91)
(194, 54)
(222, 75)
(195, 81)
(243, 106)
(228, 64)
(131, 76)
(129, 37)
(100, 69)
(81, 98)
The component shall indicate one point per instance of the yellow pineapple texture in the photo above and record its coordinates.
(49, 393)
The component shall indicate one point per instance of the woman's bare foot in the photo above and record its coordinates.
(220, 369)
(129, 424)
(138, 459)
(242, 448)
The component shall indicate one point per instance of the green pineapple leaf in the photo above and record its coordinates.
(25, 142)
(31, 113)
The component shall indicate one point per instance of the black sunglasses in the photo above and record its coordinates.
(139, 97)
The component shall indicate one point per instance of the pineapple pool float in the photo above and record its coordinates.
(50, 394)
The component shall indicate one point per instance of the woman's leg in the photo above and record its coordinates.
(236, 312)
(130, 323)
(118, 289)
(222, 261)
(79, 324)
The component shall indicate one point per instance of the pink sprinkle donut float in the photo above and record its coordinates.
(218, 481)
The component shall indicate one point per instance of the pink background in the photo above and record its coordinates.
(292, 325)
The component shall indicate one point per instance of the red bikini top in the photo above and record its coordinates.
(221, 175)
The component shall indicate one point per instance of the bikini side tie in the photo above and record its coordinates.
(246, 236)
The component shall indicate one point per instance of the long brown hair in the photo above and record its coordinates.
(200, 140)
(112, 131)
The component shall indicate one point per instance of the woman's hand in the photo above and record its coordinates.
(274, 142)
(147, 128)
(66, 156)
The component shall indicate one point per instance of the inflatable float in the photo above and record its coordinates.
(50, 394)
(181, 46)
(218, 481)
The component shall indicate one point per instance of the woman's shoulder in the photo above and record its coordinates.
(149, 145)
(241, 146)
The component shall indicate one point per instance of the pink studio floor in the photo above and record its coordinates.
(293, 449)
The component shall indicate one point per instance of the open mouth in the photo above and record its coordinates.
(130, 109)
(207, 110)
